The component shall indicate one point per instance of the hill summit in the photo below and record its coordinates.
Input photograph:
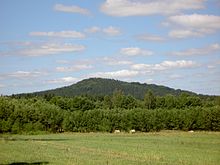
(102, 87)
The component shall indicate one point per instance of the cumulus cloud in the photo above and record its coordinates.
(42, 49)
(61, 34)
(51, 48)
(74, 68)
(135, 51)
(174, 65)
(193, 25)
(165, 65)
(122, 8)
(93, 29)
(150, 37)
(112, 31)
(24, 74)
(141, 67)
(116, 74)
(63, 80)
(184, 34)
(114, 61)
(208, 50)
(145, 69)
(71, 9)
(197, 21)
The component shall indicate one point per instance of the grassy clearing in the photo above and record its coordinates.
(167, 147)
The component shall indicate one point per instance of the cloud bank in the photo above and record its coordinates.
(123, 8)
(193, 25)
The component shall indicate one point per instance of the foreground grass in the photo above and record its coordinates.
(180, 148)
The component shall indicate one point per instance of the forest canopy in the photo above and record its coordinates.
(50, 113)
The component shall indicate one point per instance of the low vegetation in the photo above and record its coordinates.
(168, 148)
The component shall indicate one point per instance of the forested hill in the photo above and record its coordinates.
(102, 87)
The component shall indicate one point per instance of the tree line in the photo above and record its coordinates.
(118, 111)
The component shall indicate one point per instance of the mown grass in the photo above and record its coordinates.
(167, 147)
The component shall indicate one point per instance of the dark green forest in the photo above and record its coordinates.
(103, 87)
(86, 113)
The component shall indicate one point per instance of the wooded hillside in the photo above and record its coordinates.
(102, 87)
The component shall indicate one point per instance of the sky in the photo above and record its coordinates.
(46, 44)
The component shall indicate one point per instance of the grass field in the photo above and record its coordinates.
(168, 147)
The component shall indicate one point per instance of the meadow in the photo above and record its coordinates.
(155, 148)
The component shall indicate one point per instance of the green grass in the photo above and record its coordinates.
(167, 147)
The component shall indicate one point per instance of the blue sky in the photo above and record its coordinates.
(54, 43)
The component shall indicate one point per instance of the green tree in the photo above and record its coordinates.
(149, 100)
(128, 102)
(117, 99)
(160, 102)
(107, 102)
(170, 101)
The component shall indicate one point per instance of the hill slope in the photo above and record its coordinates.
(101, 87)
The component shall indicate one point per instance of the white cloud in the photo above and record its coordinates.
(116, 74)
(51, 48)
(184, 34)
(141, 67)
(114, 61)
(193, 25)
(61, 34)
(42, 49)
(74, 68)
(135, 51)
(145, 69)
(197, 21)
(2, 85)
(208, 50)
(165, 65)
(112, 31)
(25, 74)
(63, 80)
(93, 29)
(123, 8)
(119, 62)
(150, 37)
(71, 9)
